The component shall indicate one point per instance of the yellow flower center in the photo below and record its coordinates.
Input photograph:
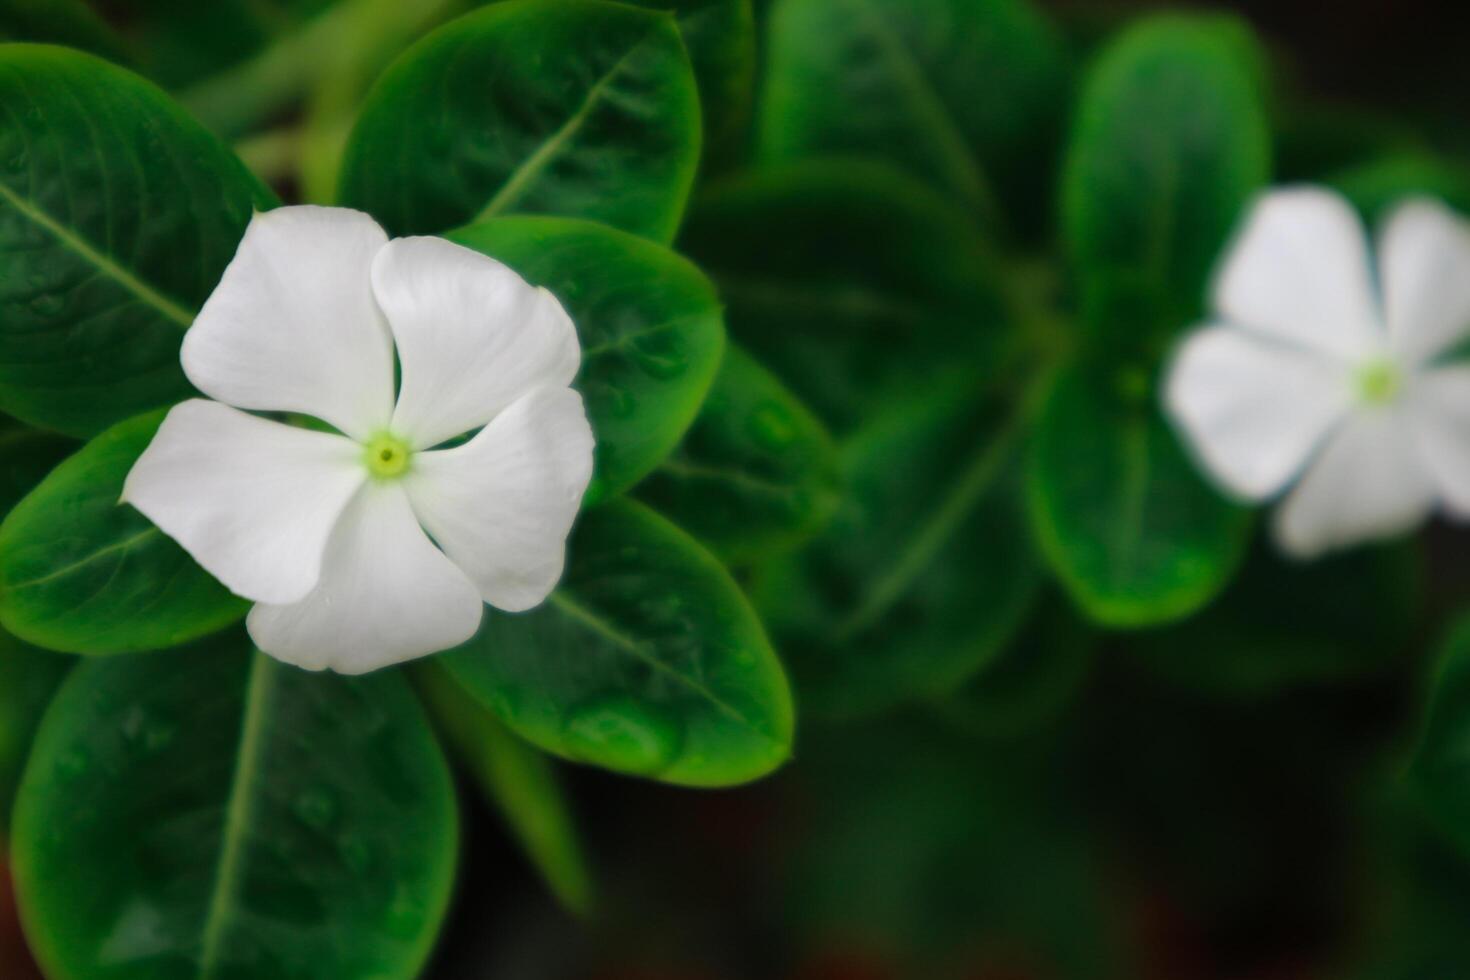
(1379, 382)
(386, 456)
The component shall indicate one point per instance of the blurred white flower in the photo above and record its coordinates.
(330, 534)
(1318, 372)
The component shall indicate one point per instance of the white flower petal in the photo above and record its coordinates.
(1299, 271)
(501, 505)
(1367, 483)
(292, 325)
(386, 595)
(1424, 256)
(472, 336)
(1439, 401)
(1253, 410)
(252, 500)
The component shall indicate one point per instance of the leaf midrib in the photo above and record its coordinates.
(960, 162)
(621, 640)
(123, 545)
(533, 165)
(103, 263)
(238, 811)
(972, 484)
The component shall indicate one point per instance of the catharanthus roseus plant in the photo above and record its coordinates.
(399, 399)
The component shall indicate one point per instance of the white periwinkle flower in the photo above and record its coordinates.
(1319, 372)
(330, 535)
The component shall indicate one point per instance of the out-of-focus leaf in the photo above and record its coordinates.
(1284, 624)
(68, 22)
(1131, 529)
(721, 38)
(1375, 187)
(849, 281)
(568, 107)
(1440, 770)
(1033, 678)
(81, 573)
(650, 326)
(1419, 888)
(756, 474)
(929, 850)
(1313, 140)
(26, 455)
(966, 95)
(517, 780)
(210, 812)
(117, 215)
(925, 572)
(646, 660)
(28, 679)
(1169, 142)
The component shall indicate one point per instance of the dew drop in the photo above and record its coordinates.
(624, 734)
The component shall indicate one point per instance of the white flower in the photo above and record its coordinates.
(1322, 373)
(330, 534)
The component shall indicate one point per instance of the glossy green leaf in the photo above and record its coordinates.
(848, 280)
(81, 573)
(569, 107)
(1169, 142)
(117, 215)
(925, 573)
(966, 95)
(1284, 624)
(756, 474)
(721, 38)
(650, 326)
(1124, 518)
(646, 660)
(517, 780)
(211, 813)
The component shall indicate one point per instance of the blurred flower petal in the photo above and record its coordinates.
(1252, 409)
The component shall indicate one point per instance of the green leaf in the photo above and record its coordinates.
(1285, 624)
(757, 473)
(209, 813)
(966, 95)
(517, 780)
(1169, 142)
(28, 679)
(569, 107)
(925, 573)
(117, 215)
(650, 328)
(1122, 515)
(68, 22)
(1440, 768)
(848, 280)
(26, 455)
(81, 573)
(721, 38)
(1375, 187)
(1035, 677)
(647, 660)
